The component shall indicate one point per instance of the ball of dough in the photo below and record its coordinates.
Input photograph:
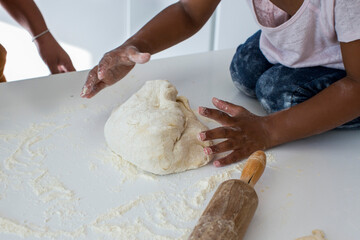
(157, 131)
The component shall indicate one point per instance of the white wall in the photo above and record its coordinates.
(89, 28)
(234, 24)
(141, 11)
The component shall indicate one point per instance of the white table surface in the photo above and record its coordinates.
(49, 136)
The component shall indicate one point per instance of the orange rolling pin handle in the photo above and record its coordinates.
(254, 168)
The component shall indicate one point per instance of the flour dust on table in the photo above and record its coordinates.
(156, 130)
(316, 235)
(65, 212)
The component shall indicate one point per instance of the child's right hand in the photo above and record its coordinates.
(243, 131)
(115, 65)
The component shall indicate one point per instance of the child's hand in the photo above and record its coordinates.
(112, 67)
(244, 132)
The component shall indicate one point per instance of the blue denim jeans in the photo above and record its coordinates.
(278, 87)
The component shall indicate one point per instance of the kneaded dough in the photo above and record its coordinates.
(316, 235)
(157, 131)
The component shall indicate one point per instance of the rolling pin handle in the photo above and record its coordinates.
(254, 168)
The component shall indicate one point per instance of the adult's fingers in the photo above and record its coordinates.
(227, 107)
(219, 116)
(224, 146)
(54, 68)
(62, 68)
(68, 66)
(218, 133)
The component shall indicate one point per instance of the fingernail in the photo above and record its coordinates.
(201, 136)
(217, 164)
(208, 151)
(84, 91)
(201, 110)
(100, 74)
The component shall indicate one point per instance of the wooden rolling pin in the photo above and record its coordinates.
(233, 205)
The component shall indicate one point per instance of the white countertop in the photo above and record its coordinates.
(59, 181)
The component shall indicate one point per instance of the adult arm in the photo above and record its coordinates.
(28, 15)
(174, 24)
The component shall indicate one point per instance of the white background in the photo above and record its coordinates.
(89, 28)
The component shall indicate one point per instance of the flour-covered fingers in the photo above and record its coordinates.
(224, 146)
(97, 88)
(91, 81)
(219, 116)
(108, 61)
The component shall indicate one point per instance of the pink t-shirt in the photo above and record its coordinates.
(312, 36)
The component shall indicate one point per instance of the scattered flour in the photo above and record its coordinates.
(24, 170)
(49, 188)
(169, 213)
(316, 235)
(129, 171)
(93, 166)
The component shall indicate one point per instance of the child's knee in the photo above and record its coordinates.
(273, 95)
(248, 64)
(241, 71)
(239, 77)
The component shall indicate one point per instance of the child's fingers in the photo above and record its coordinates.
(233, 157)
(224, 146)
(117, 58)
(215, 114)
(91, 81)
(107, 62)
(227, 107)
(218, 133)
(97, 88)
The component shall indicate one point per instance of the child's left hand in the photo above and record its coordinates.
(244, 132)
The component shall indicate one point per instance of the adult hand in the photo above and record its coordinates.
(244, 132)
(54, 56)
(115, 65)
(2, 63)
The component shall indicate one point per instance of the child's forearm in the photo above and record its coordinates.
(332, 107)
(27, 14)
(173, 25)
